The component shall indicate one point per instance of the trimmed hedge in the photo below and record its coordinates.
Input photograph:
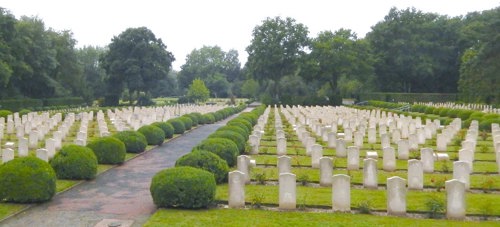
(183, 187)
(108, 150)
(240, 122)
(27, 180)
(194, 119)
(188, 123)
(208, 161)
(235, 129)
(208, 118)
(178, 125)
(153, 134)
(224, 148)
(167, 128)
(238, 139)
(75, 162)
(410, 97)
(135, 142)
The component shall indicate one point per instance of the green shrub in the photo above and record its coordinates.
(193, 118)
(75, 162)
(198, 117)
(236, 138)
(135, 142)
(209, 118)
(430, 110)
(178, 125)
(465, 114)
(24, 112)
(485, 125)
(251, 117)
(153, 134)
(167, 128)
(224, 148)
(27, 180)
(453, 113)
(183, 187)
(108, 150)
(235, 129)
(5, 113)
(208, 161)
(476, 115)
(240, 122)
(188, 123)
(218, 116)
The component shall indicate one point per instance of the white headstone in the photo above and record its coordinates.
(372, 135)
(341, 192)
(455, 199)
(287, 188)
(370, 173)
(23, 147)
(396, 196)
(281, 146)
(316, 154)
(358, 139)
(243, 166)
(389, 160)
(284, 164)
(461, 172)
(42, 154)
(33, 139)
(7, 155)
(353, 158)
(332, 139)
(50, 145)
(236, 189)
(325, 171)
(385, 141)
(427, 158)
(403, 150)
(340, 148)
(415, 174)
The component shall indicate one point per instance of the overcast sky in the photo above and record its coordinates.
(184, 25)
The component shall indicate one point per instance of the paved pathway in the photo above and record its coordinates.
(120, 193)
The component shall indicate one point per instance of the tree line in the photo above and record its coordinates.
(408, 51)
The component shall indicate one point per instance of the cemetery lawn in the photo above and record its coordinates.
(255, 217)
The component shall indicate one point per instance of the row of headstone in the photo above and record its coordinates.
(469, 106)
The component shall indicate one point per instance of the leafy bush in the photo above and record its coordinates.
(209, 118)
(135, 142)
(24, 112)
(167, 128)
(193, 118)
(108, 150)
(476, 115)
(224, 148)
(235, 129)
(242, 123)
(153, 134)
(198, 117)
(485, 125)
(188, 123)
(208, 161)
(75, 162)
(236, 138)
(178, 125)
(183, 187)
(464, 114)
(27, 180)
(251, 117)
(5, 113)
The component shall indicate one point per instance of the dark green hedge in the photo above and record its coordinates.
(108, 150)
(410, 97)
(75, 162)
(153, 134)
(224, 148)
(208, 161)
(135, 142)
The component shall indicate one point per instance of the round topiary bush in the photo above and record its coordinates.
(27, 180)
(224, 148)
(198, 117)
(209, 118)
(108, 150)
(235, 137)
(75, 162)
(235, 129)
(240, 122)
(167, 128)
(135, 142)
(208, 161)
(153, 134)
(193, 118)
(183, 187)
(178, 125)
(188, 123)
(5, 113)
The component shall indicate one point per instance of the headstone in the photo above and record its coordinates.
(455, 199)
(236, 189)
(358, 139)
(385, 141)
(372, 154)
(281, 146)
(396, 196)
(325, 171)
(441, 142)
(353, 158)
(7, 155)
(403, 150)
(427, 158)
(396, 135)
(310, 141)
(348, 134)
(413, 142)
(341, 149)
(50, 145)
(243, 163)
(370, 173)
(284, 164)
(332, 139)
(389, 160)
(287, 188)
(23, 147)
(341, 192)
(466, 155)
(42, 154)
(461, 172)
(372, 135)
(415, 174)
(316, 154)
(33, 139)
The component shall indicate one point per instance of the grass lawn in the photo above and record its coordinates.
(253, 217)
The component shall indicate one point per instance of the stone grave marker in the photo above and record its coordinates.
(341, 192)
(325, 171)
(396, 196)
(287, 190)
(236, 189)
(370, 173)
(415, 174)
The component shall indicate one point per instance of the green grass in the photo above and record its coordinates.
(252, 217)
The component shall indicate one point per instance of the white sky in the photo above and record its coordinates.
(184, 25)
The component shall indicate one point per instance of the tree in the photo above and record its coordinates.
(198, 91)
(136, 59)
(338, 55)
(212, 65)
(7, 36)
(68, 72)
(250, 89)
(275, 50)
(93, 74)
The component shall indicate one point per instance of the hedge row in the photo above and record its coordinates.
(410, 97)
(39, 104)
(191, 183)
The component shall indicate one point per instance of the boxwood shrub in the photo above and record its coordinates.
(198, 117)
(224, 148)
(209, 118)
(208, 161)
(75, 162)
(27, 180)
(135, 142)
(235, 129)
(153, 134)
(240, 122)
(108, 150)
(178, 125)
(188, 123)
(193, 118)
(167, 128)
(235, 137)
(183, 187)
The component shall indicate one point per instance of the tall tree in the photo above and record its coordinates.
(7, 36)
(68, 71)
(93, 74)
(275, 50)
(136, 59)
(339, 55)
(198, 91)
